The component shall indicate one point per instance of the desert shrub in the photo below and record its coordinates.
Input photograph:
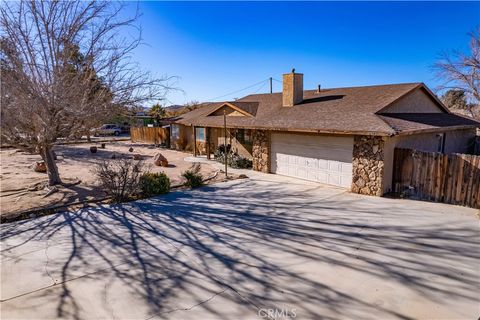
(240, 162)
(221, 148)
(193, 176)
(119, 178)
(154, 183)
(233, 160)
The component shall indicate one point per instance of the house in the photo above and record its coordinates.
(344, 137)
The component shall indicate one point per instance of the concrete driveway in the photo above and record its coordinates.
(270, 247)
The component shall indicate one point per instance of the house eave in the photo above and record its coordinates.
(433, 130)
(300, 130)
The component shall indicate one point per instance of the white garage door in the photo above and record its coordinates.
(323, 159)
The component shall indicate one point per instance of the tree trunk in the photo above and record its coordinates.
(52, 169)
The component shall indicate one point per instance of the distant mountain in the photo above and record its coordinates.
(174, 107)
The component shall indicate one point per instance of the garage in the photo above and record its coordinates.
(324, 159)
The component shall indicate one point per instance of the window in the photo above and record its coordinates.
(200, 133)
(175, 131)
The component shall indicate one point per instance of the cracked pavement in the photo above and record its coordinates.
(247, 249)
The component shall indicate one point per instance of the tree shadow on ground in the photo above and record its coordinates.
(255, 244)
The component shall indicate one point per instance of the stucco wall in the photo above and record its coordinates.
(417, 101)
(458, 141)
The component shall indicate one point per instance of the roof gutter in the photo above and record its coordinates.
(336, 132)
(430, 130)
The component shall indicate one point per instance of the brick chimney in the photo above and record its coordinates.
(292, 88)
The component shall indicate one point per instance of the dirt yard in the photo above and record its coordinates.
(75, 162)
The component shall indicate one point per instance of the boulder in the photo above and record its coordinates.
(93, 149)
(160, 160)
(40, 167)
(130, 150)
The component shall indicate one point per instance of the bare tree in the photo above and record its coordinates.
(460, 71)
(66, 64)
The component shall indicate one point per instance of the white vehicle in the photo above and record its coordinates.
(107, 130)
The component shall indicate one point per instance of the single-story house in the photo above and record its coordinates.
(341, 136)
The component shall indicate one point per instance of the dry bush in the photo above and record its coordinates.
(201, 148)
(193, 176)
(120, 178)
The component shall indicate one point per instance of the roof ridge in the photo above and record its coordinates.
(337, 88)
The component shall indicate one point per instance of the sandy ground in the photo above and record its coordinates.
(75, 162)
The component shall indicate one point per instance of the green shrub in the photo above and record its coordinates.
(233, 160)
(240, 162)
(193, 176)
(154, 183)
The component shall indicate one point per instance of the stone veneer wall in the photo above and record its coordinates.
(261, 150)
(368, 165)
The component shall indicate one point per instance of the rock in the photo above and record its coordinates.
(242, 176)
(360, 183)
(93, 149)
(137, 156)
(130, 150)
(160, 160)
(102, 146)
(113, 156)
(40, 167)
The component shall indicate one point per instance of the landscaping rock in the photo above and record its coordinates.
(40, 167)
(93, 149)
(160, 160)
(102, 146)
(130, 150)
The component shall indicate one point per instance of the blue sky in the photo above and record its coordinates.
(219, 47)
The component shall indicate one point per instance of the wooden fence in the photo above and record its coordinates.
(150, 135)
(449, 178)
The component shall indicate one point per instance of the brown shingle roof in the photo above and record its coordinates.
(414, 122)
(339, 110)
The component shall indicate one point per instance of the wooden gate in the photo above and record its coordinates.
(150, 135)
(449, 178)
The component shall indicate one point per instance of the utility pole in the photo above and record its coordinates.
(225, 134)
(271, 86)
